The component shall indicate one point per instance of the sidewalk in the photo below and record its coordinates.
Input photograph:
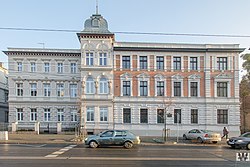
(26, 138)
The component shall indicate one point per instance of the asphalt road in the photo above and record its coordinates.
(62, 155)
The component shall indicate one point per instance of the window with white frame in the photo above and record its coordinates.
(73, 90)
(194, 116)
(222, 116)
(193, 89)
(90, 59)
(33, 114)
(193, 63)
(19, 89)
(177, 115)
(143, 88)
(103, 59)
(222, 63)
(126, 62)
(90, 86)
(60, 89)
(177, 88)
(177, 63)
(73, 68)
(73, 115)
(143, 62)
(103, 88)
(60, 67)
(160, 116)
(159, 62)
(126, 91)
(33, 67)
(143, 115)
(46, 89)
(160, 88)
(19, 66)
(222, 89)
(46, 114)
(33, 89)
(19, 112)
(126, 115)
(60, 115)
(46, 67)
(90, 114)
(103, 114)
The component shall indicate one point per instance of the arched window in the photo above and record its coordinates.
(90, 86)
(103, 86)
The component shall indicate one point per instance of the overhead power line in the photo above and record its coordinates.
(130, 33)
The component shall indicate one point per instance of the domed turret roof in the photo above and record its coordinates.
(96, 24)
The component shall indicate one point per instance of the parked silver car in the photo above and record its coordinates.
(113, 137)
(202, 136)
(241, 141)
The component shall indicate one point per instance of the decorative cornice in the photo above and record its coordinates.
(223, 76)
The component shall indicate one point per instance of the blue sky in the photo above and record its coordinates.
(166, 16)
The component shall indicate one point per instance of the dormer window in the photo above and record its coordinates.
(95, 23)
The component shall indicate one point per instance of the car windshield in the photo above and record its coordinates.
(245, 135)
(206, 131)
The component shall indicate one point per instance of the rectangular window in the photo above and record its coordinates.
(19, 89)
(194, 116)
(33, 90)
(103, 59)
(222, 116)
(73, 115)
(143, 88)
(193, 89)
(60, 115)
(126, 115)
(160, 88)
(144, 115)
(177, 88)
(126, 62)
(90, 114)
(60, 90)
(33, 67)
(177, 115)
(160, 116)
(73, 68)
(222, 63)
(46, 114)
(103, 114)
(103, 89)
(221, 89)
(19, 114)
(193, 63)
(89, 59)
(46, 67)
(143, 62)
(73, 90)
(60, 67)
(126, 88)
(33, 114)
(177, 63)
(19, 66)
(160, 63)
(46, 89)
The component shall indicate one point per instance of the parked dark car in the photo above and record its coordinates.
(113, 138)
(241, 141)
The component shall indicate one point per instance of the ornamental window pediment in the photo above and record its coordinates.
(126, 75)
(159, 77)
(223, 76)
(194, 76)
(143, 75)
(177, 77)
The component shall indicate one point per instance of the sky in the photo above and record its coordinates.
(155, 16)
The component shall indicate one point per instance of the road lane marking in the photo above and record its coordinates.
(113, 158)
(59, 152)
(27, 145)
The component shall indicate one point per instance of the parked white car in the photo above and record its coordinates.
(202, 136)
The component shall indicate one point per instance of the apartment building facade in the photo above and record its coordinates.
(4, 111)
(142, 87)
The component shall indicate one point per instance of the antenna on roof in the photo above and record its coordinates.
(97, 7)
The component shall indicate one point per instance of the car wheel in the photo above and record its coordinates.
(184, 137)
(200, 140)
(248, 146)
(232, 146)
(214, 142)
(128, 144)
(93, 144)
